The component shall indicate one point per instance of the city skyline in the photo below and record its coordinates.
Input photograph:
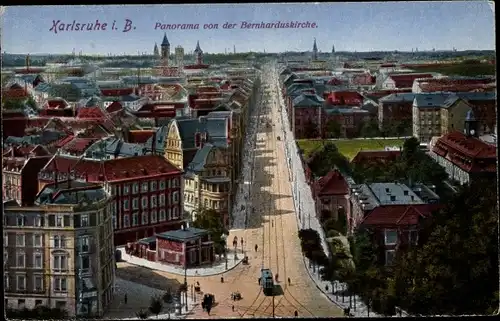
(348, 26)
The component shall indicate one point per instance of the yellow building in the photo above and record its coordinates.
(207, 182)
(426, 115)
(453, 115)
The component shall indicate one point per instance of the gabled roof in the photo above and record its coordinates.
(183, 235)
(78, 145)
(199, 161)
(332, 184)
(398, 215)
(114, 106)
(165, 40)
(398, 98)
(308, 100)
(406, 80)
(91, 112)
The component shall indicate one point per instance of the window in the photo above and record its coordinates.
(37, 283)
(169, 217)
(59, 221)
(20, 220)
(391, 237)
(153, 201)
(162, 199)
(144, 187)
(175, 197)
(84, 220)
(169, 183)
(135, 188)
(60, 284)
(21, 303)
(60, 263)
(5, 256)
(125, 205)
(413, 237)
(135, 203)
(145, 218)
(37, 260)
(59, 241)
(163, 216)
(85, 263)
(5, 238)
(38, 303)
(162, 185)
(20, 259)
(153, 186)
(38, 221)
(126, 221)
(20, 239)
(144, 201)
(135, 219)
(21, 282)
(126, 189)
(84, 244)
(176, 212)
(115, 226)
(389, 257)
(154, 219)
(175, 182)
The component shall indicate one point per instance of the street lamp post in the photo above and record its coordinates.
(224, 238)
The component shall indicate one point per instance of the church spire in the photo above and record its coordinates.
(156, 52)
(315, 50)
(165, 41)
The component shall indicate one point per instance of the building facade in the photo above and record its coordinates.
(59, 252)
(146, 191)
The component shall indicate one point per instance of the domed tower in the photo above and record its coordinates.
(156, 52)
(315, 51)
(470, 126)
(165, 48)
(199, 54)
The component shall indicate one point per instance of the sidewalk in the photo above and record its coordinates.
(139, 298)
(218, 267)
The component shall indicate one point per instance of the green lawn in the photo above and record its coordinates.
(349, 147)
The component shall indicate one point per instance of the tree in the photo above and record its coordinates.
(369, 128)
(142, 314)
(410, 150)
(327, 159)
(13, 104)
(311, 129)
(66, 91)
(458, 260)
(211, 220)
(333, 129)
(156, 306)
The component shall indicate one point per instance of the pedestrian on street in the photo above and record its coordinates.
(259, 280)
(125, 299)
(276, 277)
(256, 247)
(272, 222)
(289, 281)
(296, 313)
(233, 308)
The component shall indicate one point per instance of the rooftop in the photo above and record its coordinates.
(71, 192)
(183, 234)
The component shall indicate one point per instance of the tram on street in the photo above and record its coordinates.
(267, 281)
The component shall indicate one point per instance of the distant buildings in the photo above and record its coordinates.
(59, 251)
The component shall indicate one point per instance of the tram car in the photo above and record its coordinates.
(267, 281)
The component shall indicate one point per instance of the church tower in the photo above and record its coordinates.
(198, 54)
(156, 52)
(333, 49)
(470, 128)
(165, 49)
(315, 51)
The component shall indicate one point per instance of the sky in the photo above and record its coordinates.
(465, 25)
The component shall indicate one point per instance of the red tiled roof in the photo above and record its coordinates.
(457, 81)
(13, 163)
(406, 80)
(91, 112)
(350, 98)
(14, 93)
(139, 136)
(335, 81)
(64, 141)
(398, 215)
(382, 93)
(371, 155)
(115, 106)
(119, 169)
(79, 144)
(117, 92)
(456, 144)
(332, 184)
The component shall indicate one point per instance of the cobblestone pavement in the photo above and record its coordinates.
(273, 227)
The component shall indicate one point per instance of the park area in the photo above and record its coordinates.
(348, 147)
